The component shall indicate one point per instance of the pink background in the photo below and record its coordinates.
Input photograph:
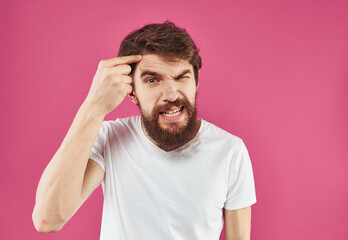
(274, 73)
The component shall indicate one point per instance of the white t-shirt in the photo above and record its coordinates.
(152, 194)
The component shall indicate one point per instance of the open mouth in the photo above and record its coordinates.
(173, 113)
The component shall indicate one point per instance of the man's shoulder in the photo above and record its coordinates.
(121, 124)
(125, 121)
(215, 132)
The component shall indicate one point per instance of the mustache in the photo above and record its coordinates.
(166, 107)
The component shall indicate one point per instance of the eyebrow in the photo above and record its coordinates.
(152, 73)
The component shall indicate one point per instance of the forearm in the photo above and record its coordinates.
(59, 189)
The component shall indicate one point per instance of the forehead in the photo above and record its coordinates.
(161, 65)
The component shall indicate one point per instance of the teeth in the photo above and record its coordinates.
(173, 113)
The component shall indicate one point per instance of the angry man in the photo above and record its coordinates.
(166, 174)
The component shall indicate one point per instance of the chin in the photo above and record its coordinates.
(173, 127)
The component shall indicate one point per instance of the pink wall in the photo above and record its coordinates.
(274, 73)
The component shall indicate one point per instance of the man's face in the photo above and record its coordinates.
(166, 94)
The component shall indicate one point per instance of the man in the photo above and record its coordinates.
(165, 174)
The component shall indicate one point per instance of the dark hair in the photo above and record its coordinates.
(164, 39)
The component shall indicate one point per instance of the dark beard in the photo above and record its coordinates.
(175, 135)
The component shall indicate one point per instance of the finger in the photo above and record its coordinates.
(127, 79)
(128, 89)
(120, 60)
(121, 69)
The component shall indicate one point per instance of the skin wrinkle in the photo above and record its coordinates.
(151, 73)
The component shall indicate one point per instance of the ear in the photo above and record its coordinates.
(133, 98)
(197, 82)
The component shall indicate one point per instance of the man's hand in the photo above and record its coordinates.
(111, 83)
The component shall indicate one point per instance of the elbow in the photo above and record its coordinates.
(43, 225)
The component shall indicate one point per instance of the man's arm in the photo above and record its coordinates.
(238, 224)
(69, 179)
(60, 191)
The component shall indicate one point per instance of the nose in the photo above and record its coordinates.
(170, 91)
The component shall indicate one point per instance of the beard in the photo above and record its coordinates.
(175, 134)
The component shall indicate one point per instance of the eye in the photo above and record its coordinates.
(183, 78)
(151, 80)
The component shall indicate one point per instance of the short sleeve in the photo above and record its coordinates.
(97, 151)
(241, 186)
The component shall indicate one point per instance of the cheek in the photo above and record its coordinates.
(147, 97)
(146, 102)
(191, 93)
